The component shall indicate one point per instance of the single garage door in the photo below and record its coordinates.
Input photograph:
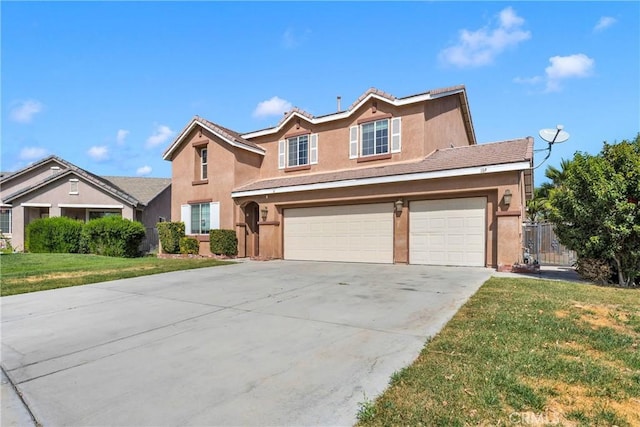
(353, 233)
(448, 232)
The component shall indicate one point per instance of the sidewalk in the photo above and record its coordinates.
(548, 272)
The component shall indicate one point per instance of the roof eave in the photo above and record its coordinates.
(415, 176)
(195, 122)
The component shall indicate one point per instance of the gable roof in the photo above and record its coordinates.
(11, 175)
(227, 135)
(448, 162)
(142, 188)
(459, 90)
(104, 184)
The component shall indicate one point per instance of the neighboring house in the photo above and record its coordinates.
(56, 187)
(388, 180)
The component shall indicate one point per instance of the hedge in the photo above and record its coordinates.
(189, 245)
(114, 236)
(170, 234)
(223, 242)
(55, 234)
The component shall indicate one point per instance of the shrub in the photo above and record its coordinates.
(56, 234)
(5, 244)
(594, 270)
(189, 245)
(114, 236)
(170, 234)
(223, 242)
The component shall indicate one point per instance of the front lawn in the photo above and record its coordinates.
(21, 273)
(524, 352)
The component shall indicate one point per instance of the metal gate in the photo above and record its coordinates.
(543, 245)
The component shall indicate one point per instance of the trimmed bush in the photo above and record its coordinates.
(223, 242)
(56, 234)
(170, 234)
(114, 236)
(189, 245)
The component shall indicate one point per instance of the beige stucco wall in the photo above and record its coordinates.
(426, 127)
(54, 194)
(228, 167)
(15, 183)
(502, 240)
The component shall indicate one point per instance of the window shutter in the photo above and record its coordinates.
(185, 216)
(353, 142)
(282, 154)
(313, 149)
(214, 215)
(396, 141)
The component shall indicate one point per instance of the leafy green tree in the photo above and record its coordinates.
(538, 207)
(596, 210)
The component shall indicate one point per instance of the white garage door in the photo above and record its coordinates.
(448, 232)
(354, 233)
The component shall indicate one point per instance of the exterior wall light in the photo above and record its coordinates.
(506, 198)
(263, 212)
(399, 203)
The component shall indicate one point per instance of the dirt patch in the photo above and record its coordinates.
(571, 398)
(75, 274)
(601, 316)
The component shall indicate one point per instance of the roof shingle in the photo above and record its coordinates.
(496, 153)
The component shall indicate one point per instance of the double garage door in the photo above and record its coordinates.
(441, 232)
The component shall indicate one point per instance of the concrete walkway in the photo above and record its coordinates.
(255, 343)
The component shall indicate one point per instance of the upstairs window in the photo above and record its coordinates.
(204, 163)
(374, 138)
(300, 150)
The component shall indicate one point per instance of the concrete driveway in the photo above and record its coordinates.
(255, 343)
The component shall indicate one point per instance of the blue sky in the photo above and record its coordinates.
(107, 85)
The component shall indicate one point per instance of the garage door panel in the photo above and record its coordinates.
(448, 232)
(355, 233)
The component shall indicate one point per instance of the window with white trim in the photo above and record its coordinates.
(73, 186)
(298, 150)
(204, 161)
(375, 138)
(199, 218)
(5, 220)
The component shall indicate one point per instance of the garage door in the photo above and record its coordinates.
(448, 232)
(354, 233)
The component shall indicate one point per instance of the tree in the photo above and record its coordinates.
(538, 207)
(596, 210)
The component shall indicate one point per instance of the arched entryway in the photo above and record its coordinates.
(251, 217)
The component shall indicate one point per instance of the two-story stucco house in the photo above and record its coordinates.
(53, 186)
(388, 180)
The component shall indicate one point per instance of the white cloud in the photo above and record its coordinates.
(98, 153)
(566, 67)
(24, 111)
(32, 153)
(121, 136)
(561, 68)
(272, 107)
(161, 135)
(290, 39)
(604, 23)
(481, 47)
(143, 170)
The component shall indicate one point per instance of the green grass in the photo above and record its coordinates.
(525, 351)
(21, 273)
